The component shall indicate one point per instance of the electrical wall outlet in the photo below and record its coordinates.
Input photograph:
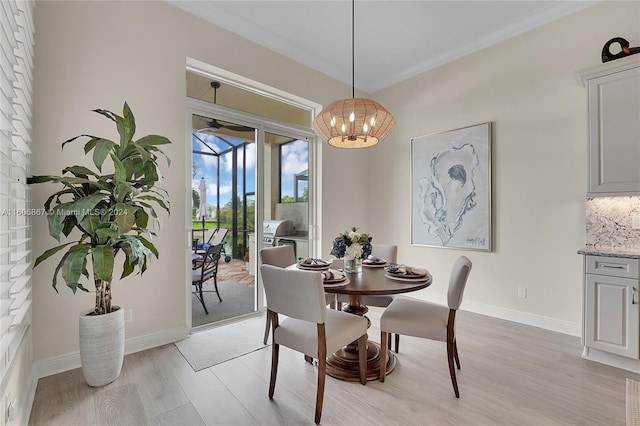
(522, 292)
(635, 222)
(128, 315)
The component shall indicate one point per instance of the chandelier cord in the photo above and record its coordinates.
(353, 54)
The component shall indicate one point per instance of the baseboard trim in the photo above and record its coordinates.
(613, 360)
(547, 323)
(54, 365)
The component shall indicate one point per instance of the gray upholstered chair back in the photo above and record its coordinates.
(387, 252)
(295, 293)
(458, 281)
(281, 256)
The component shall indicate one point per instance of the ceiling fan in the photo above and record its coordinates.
(214, 124)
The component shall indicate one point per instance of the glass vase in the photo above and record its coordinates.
(352, 265)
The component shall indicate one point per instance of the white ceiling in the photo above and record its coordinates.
(394, 40)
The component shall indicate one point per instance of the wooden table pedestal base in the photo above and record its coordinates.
(343, 364)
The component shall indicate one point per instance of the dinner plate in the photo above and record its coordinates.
(313, 267)
(418, 274)
(406, 280)
(375, 265)
(340, 283)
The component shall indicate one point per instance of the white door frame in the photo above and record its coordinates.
(262, 126)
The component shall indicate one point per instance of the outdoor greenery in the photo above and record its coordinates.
(109, 212)
(290, 199)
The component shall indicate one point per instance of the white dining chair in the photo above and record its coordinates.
(280, 256)
(419, 318)
(309, 327)
(388, 252)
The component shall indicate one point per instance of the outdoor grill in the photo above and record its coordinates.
(272, 229)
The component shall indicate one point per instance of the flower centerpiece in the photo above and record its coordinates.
(353, 246)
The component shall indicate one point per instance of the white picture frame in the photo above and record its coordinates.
(451, 189)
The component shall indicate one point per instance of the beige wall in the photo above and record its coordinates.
(98, 54)
(527, 87)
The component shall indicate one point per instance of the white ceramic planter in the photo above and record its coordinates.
(101, 346)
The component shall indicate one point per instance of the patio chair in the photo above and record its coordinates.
(204, 269)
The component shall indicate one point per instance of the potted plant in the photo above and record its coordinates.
(106, 215)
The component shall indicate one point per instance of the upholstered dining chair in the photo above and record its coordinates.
(418, 318)
(310, 327)
(281, 256)
(203, 270)
(388, 252)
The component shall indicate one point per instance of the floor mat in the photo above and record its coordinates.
(213, 346)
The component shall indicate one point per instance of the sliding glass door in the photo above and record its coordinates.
(246, 170)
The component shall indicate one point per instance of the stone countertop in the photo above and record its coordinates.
(626, 252)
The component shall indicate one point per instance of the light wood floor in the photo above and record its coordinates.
(511, 375)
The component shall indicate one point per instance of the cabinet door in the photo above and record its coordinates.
(612, 315)
(614, 132)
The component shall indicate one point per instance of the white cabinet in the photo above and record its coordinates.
(612, 314)
(613, 112)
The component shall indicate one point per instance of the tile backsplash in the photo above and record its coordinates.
(609, 222)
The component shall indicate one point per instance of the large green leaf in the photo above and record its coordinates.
(106, 235)
(91, 223)
(123, 191)
(152, 140)
(138, 253)
(128, 265)
(79, 171)
(76, 137)
(126, 125)
(142, 218)
(68, 224)
(85, 205)
(103, 260)
(56, 219)
(146, 156)
(125, 216)
(47, 254)
(73, 264)
(111, 116)
(90, 145)
(157, 200)
(101, 151)
(149, 245)
(120, 174)
(42, 179)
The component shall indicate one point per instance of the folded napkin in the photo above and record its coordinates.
(408, 271)
(308, 261)
(373, 259)
(332, 275)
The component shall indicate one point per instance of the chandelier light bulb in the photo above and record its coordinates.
(352, 117)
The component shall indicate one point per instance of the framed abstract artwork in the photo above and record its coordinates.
(451, 189)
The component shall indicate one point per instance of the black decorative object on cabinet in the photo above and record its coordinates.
(625, 50)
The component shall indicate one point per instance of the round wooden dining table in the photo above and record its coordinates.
(343, 364)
